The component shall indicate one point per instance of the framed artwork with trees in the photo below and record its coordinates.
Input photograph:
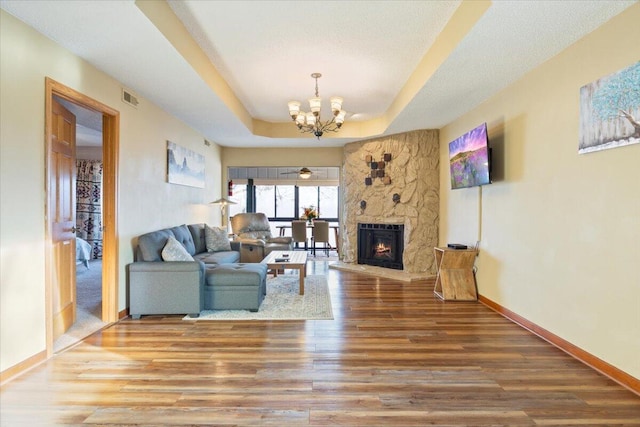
(610, 111)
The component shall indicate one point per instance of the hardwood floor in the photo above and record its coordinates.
(393, 355)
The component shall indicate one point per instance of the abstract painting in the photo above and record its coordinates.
(610, 111)
(184, 167)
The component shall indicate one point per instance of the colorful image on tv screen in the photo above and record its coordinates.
(469, 159)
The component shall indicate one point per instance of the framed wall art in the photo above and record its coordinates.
(184, 166)
(610, 111)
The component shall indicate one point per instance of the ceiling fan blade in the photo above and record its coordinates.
(303, 171)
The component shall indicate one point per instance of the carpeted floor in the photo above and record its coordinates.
(284, 302)
(89, 306)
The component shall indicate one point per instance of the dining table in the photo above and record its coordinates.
(283, 228)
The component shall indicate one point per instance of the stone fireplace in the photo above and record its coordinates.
(381, 245)
(414, 175)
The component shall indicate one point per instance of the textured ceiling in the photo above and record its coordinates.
(227, 68)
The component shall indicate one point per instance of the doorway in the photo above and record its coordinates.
(88, 223)
(109, 148)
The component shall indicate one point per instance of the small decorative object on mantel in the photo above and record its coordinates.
(378, 169)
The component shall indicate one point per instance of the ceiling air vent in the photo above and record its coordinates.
(129, 98)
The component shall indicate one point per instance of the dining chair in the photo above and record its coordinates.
(320, 234)
(299, 232)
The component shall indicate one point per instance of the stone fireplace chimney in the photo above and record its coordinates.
(413, 174)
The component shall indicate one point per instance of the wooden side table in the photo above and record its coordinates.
(455, 279)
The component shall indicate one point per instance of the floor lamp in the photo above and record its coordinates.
(223, 202)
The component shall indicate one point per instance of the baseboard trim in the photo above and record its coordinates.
(617, 375)
(22, 367)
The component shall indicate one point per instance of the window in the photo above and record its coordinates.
(265, 199)
(286, 202)
(324, 198)
(328, 202)
(240, 197)
(308, 197)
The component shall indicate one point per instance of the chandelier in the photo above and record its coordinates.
(311, 122)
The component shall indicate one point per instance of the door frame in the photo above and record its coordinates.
(110, 149)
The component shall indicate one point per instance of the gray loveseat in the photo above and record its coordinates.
(186, 287)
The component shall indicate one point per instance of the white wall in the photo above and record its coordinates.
(147, 202)
(89, 153)
(559, 231)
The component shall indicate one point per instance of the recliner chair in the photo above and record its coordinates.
(254, 231)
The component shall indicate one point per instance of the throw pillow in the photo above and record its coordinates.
(174, 251)
(216, 239)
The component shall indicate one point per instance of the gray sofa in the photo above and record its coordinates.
(187, 287)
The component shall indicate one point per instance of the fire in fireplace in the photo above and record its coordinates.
(381, 245)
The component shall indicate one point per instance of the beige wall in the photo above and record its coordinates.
(301, 157)
(560, 232)
(147, 202)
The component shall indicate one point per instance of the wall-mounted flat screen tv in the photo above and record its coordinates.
(470, 159)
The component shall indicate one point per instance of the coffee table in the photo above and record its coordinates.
(297, 260)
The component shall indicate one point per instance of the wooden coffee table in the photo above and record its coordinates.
(297, 260)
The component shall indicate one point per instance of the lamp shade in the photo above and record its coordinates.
(294, 109)
(336, 105)
(301, 119)
(223, 201)
(311, 119)
(315, 104)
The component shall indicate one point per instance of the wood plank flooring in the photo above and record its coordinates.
(393, 355)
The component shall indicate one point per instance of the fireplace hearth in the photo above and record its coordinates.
(381, 245)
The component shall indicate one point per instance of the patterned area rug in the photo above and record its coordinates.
(283, 302)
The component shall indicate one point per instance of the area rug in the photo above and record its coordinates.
(283, 302)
